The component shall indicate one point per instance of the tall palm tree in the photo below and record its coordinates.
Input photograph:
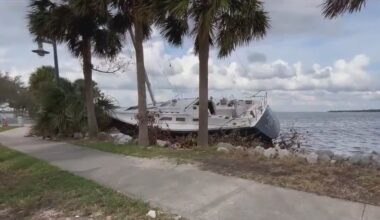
(135, 18)
(224, 24)
(83, 26)
(334, 8)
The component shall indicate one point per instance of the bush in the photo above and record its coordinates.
(59, 110)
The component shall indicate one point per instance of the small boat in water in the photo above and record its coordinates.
(250, 115)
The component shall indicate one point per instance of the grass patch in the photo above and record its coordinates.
(345, 181)
(181, 155)
(6, 128)
(33, 189)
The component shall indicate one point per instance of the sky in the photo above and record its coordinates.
(305, 62)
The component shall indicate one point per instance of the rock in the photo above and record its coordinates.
(312, 158)
(301, 155)
(375, 160)
(259, 150)
(360, 159)
(103, 136)
(77, 135)
(162, 143)
(240, 148)
(226, 145)
(120, 138)
(324, 158)
(270, 153)
(277, 147)
(329, 153)
(97, 214)
(339, 158)
(251, 151)
(151, 214)
(365, 160)
(223, 150)
(283, 153)
(177, 217)
(355, 159)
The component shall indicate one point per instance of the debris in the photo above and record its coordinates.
(175, 146)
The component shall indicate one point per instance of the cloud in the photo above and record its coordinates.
(343, 75)
(294, 17)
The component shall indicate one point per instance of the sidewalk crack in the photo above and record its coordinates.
(218, 201)
(363, 211)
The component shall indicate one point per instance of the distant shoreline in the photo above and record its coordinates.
(367, 110)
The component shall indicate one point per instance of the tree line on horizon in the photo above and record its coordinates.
(100, 28)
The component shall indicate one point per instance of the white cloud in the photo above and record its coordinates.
(343, 75)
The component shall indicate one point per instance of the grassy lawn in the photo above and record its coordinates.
(345, 181)
(33, 189)
(6, 128)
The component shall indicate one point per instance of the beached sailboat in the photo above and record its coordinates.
(251, 115)
(181, 116)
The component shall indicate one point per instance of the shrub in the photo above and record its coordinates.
(59, 110)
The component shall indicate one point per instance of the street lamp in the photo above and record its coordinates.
(41, 52)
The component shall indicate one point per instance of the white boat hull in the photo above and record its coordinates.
(267, 125)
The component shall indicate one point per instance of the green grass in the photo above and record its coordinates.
(6, 128)
(181, 155)
(28, 187)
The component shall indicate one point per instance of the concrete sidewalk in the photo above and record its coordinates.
(186, 190)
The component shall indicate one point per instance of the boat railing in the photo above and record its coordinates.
(260, 97)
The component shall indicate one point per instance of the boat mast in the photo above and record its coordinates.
(146, 75)
(149, 88)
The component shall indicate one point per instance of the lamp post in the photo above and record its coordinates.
(41, 52)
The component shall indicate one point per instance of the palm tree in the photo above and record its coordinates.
(83, 26)
(334, 8)
(224, 24)
(135, 18)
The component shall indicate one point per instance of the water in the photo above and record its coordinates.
(344, 133)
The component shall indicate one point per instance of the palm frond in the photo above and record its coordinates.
(173, 29)
(241, 23)
(334, 8)
(107, 43)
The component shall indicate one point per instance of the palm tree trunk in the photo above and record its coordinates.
(204, 47)
(88, 86)
(143, 139)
